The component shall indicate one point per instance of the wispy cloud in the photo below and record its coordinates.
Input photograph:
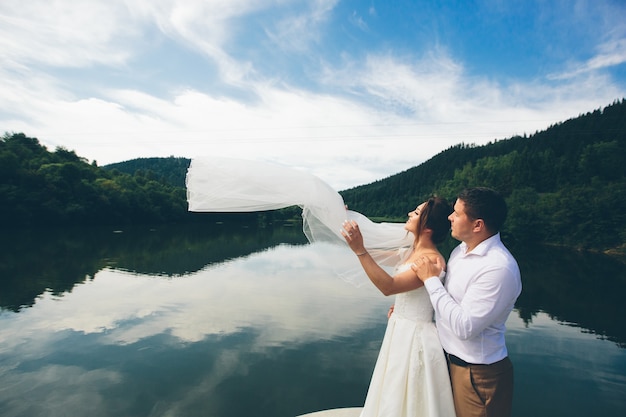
(609, 55)
(296, 30)
(357, 20)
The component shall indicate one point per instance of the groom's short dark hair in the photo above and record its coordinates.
(486, 204)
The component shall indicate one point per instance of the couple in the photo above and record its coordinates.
(482, 282)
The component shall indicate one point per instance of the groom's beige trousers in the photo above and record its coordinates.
(482, 390)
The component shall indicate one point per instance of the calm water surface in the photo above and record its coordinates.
(229, 321)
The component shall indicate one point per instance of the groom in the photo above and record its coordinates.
(481, 286)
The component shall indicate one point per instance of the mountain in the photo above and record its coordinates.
(565, 185)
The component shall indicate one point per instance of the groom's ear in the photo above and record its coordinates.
(479, 225)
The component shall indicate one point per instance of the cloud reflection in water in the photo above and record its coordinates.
(283, 292)
(129, 344)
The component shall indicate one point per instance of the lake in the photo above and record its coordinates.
(234, 320)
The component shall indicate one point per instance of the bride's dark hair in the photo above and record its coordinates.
(434, 216)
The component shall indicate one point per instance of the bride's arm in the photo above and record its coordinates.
(387, 284)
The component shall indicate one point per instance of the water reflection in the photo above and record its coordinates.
(562, 370)
(229, 321)
(34, 261)
(570, 286)
(130, 344)
(574, 287)
(260, 291)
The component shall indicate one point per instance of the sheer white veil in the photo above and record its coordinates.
(234, 185)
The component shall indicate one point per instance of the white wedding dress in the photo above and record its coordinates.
(410, 378)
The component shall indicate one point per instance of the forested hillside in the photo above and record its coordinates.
(43, 188)
(565, 185)
(170, 170)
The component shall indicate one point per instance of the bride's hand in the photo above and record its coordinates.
(351, 233)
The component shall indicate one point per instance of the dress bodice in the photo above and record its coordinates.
(415, 304)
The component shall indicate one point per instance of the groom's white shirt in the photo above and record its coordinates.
(480, 290)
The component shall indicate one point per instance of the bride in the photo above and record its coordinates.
(410, 378)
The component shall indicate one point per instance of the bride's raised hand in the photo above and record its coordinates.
(351, 233)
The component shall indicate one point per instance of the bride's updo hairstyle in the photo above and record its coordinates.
(434, 216)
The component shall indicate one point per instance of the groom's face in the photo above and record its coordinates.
(460, 225)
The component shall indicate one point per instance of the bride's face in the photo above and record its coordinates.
(411, 223)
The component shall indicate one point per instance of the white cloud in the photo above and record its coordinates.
(65, 34)
(73, 76)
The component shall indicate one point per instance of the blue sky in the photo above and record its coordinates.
(352, 91)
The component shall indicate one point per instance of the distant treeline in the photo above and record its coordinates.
(565, 185)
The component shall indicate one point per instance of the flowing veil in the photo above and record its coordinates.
(234, 185)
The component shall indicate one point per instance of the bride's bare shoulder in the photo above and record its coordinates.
(433, 255)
